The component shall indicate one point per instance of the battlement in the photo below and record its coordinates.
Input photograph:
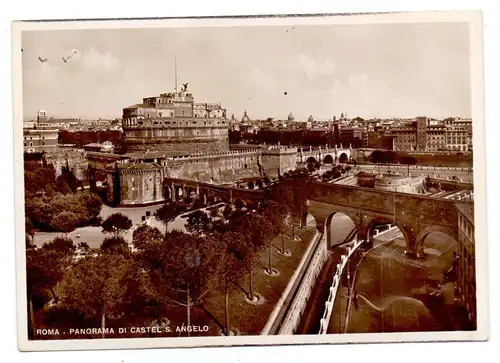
(279, 150)
(227, 154)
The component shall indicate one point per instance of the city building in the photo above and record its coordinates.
(105, 147)
(40, 135)
(458, 134)
(466, 272)
(424, 134)
(355, 136)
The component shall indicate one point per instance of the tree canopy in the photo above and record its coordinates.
(117, 223)
(145, 234)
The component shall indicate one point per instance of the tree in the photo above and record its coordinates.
(408, 160)
(115, 245)
(96, 287)
(167, 212)
(276, 212)
(237, 260)
(116, 186)
(60, 244)
(198, 222)
(29, 232)
(93, 204)
(40, 275)
(65, 222)
(145, 234)
(184, 268)
(117, 223)
(63, 251)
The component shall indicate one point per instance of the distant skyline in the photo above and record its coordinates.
(372, 70)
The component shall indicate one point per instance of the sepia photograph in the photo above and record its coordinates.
(250, 181)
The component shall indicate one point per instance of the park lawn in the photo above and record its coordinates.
(250, 319)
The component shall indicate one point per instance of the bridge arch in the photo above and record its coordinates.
(311, 159)
(406, 231)
(343, 158)
(328, 159)
(346, 227)
(426, 231)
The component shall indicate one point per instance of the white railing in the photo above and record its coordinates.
(325, 320)
(291, 283)
(292, 318)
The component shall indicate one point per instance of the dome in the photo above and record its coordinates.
(291, 117)
(311, 118)
(245, 117)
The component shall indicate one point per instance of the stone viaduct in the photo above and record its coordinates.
(415, 215)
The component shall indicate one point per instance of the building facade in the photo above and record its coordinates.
(40, 135)
(175, 124)
(466, 272)
(424, 134)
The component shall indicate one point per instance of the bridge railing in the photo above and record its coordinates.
(325, 320)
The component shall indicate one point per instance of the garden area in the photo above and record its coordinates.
(224, 273)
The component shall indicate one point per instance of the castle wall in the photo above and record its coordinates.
(278, 160)
(76, 159)
(139, 186)
(216, 168)
(142, 183)
(400, 184)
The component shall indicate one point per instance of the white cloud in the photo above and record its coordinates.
(94, 60)
(313, 68)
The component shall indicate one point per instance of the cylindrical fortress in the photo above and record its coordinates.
(178, 136)
(175, 124)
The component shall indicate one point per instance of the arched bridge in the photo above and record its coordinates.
(326, 155)
(415, 215)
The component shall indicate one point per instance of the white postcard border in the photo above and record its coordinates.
(474, 18)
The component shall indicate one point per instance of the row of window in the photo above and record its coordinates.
(31, 138)
(466, 226)
(133, 121)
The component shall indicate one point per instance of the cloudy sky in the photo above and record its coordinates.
(377, 70)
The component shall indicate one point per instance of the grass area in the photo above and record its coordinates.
(245, 318)
(250, 319)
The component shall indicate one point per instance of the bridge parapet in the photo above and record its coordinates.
(334, 288)
(286, 314)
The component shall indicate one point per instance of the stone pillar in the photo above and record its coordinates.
(197, 189)
(205, 198)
